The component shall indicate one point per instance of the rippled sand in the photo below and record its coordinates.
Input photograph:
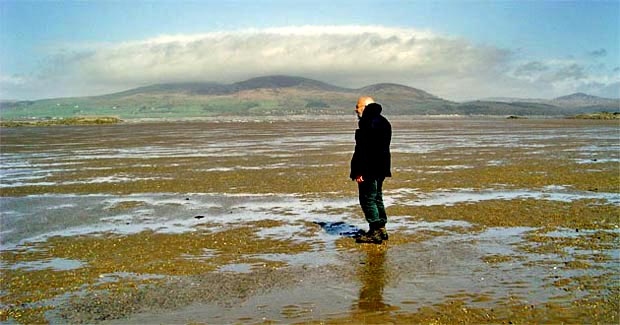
(216, 222)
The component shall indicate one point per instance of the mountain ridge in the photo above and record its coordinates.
(285, 95)
(580, 96)
(265, 82)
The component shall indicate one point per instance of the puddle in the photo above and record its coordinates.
(207, 254)
(597, 160)
(120, 276)
(315, 258)
(339, 228)
(450, 198)
(56, 264)
(237, 268)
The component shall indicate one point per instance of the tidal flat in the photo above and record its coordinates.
(249, 221)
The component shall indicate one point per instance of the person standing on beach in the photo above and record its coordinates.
(370, 166)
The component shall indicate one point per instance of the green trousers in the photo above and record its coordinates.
(371, 201)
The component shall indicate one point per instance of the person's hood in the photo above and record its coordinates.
(372, 110)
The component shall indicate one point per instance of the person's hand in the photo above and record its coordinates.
(359, 179)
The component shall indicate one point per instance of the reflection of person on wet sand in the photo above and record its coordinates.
(373, 277)
(370, 166)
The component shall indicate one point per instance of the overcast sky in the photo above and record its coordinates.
(458, 50)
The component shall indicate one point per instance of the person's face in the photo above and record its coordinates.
(359, 109)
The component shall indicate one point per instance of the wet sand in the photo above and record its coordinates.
(491, 221)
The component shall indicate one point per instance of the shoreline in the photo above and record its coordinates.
(110, 120)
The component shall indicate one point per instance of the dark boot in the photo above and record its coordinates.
(373, 236)
(384, 233)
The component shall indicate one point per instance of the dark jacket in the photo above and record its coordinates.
(371, 158)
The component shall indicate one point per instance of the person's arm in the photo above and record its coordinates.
(359, 155)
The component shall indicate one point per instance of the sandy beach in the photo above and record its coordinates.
(211, 222)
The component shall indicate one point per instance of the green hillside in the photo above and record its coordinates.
(278, 95)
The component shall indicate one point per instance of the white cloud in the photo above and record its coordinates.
(11, 86)
(12, 80)
(350, 56)
(561, 77)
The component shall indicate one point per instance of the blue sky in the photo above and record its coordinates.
(504, 48)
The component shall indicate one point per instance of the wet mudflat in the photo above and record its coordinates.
(491, 221)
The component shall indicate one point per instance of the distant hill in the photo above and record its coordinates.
(269, 95)
(205, 88)
(396, 89)
(211, 88)
(582, 103)
(581, 97)
(514, 100)
(273, 82)
(585, 100)
(283, 95)
(513, 108)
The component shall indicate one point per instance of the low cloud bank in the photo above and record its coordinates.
(350, 56)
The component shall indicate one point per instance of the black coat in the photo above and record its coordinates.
(371, 158)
